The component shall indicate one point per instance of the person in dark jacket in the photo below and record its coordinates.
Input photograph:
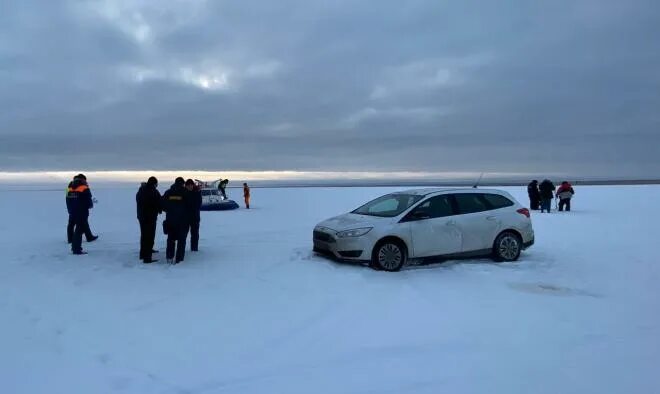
(194, 206)
(564, 193)
(546, 189)
(534, 195)
(148, 201)
(72, 223)
(79, 201)
(176, 220)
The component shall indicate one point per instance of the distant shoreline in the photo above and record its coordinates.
(449, 183)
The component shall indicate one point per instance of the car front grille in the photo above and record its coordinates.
(323, 237)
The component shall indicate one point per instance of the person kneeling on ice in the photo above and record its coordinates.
(193, 205)
(564, 193)
(148, 208)
(79, 201)
(547, 192)
(176, 221)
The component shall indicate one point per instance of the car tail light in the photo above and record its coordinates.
(523, 211)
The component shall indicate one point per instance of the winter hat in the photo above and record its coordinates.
(179, 181)
(152, 181)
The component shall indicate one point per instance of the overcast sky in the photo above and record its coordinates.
(418, 85)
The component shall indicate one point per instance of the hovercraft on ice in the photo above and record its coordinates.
(212, 198)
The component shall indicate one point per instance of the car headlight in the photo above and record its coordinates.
(358, 232)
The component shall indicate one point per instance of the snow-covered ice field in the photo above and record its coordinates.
(256, 312)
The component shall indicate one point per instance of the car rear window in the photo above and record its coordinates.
(471, 203)
(497, 201)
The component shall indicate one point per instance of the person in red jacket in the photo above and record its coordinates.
(564, 193)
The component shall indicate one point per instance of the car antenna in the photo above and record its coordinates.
(476, 184)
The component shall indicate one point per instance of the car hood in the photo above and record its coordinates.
(351, 221)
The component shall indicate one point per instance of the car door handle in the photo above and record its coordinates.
(491, 218)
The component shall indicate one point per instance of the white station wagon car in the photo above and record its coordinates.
(428, 223)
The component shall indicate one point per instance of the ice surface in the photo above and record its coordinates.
(256, 312)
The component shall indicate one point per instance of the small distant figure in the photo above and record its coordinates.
(534, 195)
(564, 193)
(148, 200)
(71, 225)
(246, 195)
(176, 221)
(194, 206)
(547, 190)
(79, 201)
(222, 187)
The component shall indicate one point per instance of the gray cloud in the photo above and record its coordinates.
(555, 86)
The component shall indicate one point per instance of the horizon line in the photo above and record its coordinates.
(249, 175)
(309, 178)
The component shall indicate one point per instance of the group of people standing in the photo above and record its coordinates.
(182, 204)
(541, 195)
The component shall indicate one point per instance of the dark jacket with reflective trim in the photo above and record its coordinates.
(79, 199)
(175, 205)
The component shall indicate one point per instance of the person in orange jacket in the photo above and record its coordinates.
(246, 195)
(72, 223)
(79, 201)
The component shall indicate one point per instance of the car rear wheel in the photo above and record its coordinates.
(507, 247)
(389, 256)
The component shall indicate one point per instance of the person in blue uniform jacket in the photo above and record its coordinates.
(70, 228)
(79, 201)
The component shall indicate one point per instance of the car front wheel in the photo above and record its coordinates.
(389, 256)
(507, 247)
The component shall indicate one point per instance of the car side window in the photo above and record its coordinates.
(437, 207)
(470, 203)
(496, 201)
(441, 206)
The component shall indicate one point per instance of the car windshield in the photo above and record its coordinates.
(388, 206)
